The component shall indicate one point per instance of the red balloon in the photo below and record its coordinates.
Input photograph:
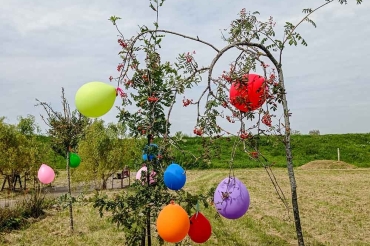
(248, 97)
(200, 228)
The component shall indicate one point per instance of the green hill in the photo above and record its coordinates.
(354, 149)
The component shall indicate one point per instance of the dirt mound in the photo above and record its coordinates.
(327, 164)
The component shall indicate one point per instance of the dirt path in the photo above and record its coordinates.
(56, 191)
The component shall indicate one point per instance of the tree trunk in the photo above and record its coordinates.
(143, 238)
(290, 168)
(148, 231)
(70, 194)
(104, 183)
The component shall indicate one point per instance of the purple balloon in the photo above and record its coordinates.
(231, 198)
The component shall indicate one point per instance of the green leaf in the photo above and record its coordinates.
(310, 21)
(264, 40)
(271, 46)
(113, 19)
(152, 7)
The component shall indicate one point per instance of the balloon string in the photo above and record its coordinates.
(120, 92)
(197, 208)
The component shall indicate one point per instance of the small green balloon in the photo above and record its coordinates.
(95, 99)
(74, 160)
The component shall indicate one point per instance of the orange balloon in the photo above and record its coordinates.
(173, 223)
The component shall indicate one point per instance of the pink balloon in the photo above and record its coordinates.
(46, 174)
(151, 176)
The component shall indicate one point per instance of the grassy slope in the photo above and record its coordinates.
(354, 149)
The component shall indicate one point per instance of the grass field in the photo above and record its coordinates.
(334, 205)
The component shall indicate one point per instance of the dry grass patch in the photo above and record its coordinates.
(334, 204)
(327, 164)
(54, 230)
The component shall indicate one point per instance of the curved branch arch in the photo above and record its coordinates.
(235, 45)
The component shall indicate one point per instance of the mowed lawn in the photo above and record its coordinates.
(334, 206)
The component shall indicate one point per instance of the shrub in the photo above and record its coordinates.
(11, 219)
(34, 205)
(312, 149)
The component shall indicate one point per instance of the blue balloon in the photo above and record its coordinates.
(152, 144)
(151, 157)
(174, 177)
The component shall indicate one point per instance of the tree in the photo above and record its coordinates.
(65, 129)
(27, 125)
(314, 132)
(37, 150)
(103, 151)
(13, 151)
(135, 211)
(20, 149)
(158, 84)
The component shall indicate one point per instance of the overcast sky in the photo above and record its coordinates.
(46, 45)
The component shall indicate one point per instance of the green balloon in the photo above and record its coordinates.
(74, 160)
(95, 99)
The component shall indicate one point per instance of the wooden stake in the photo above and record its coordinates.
(338, 154)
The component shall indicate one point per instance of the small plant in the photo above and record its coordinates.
(64, 200)
(11, 219)
(34, 205)
(66, 128)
